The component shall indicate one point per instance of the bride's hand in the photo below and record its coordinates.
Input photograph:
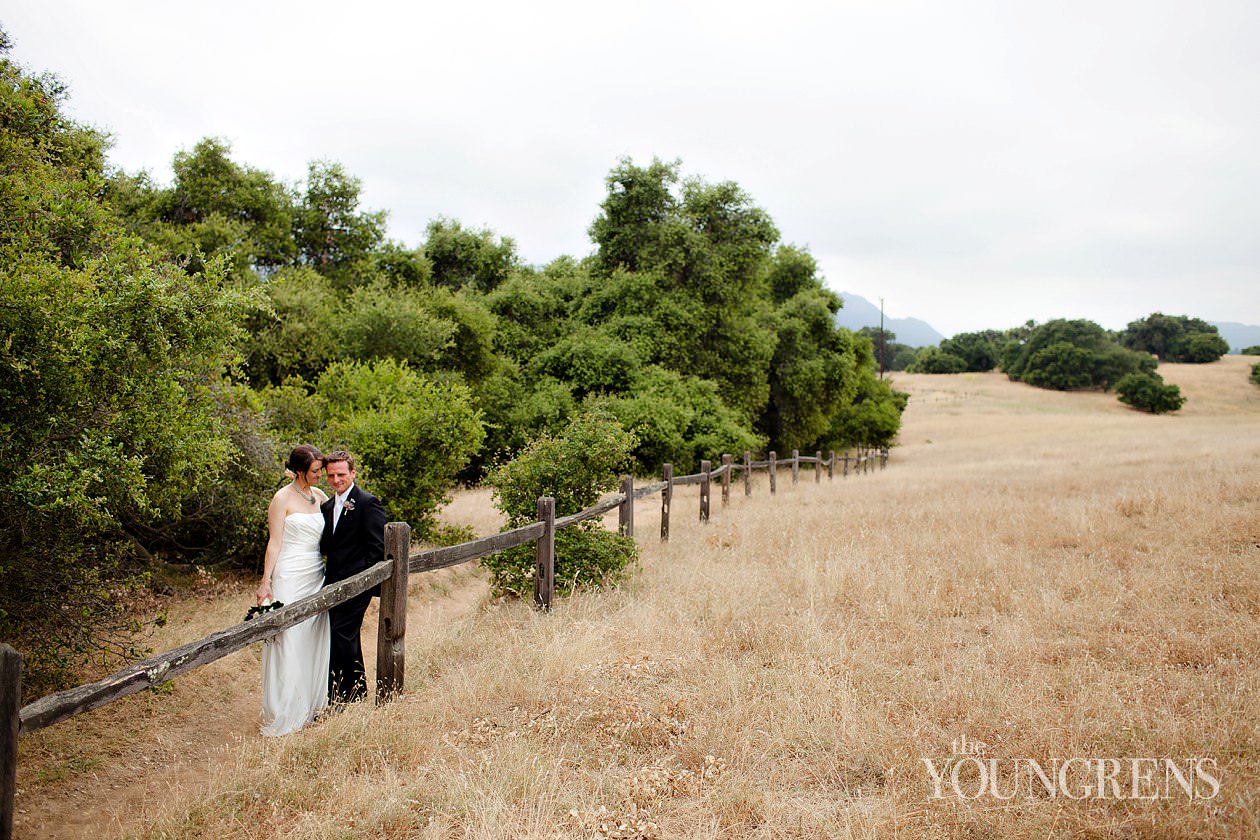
(264, 592)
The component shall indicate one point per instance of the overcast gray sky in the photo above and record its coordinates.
(975, 163)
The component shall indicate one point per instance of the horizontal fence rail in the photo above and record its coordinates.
(392, 576)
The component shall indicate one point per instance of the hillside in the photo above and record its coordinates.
(859, 312)
(1238, 335)
(1037, 575)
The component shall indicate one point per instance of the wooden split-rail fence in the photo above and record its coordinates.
(392, 575)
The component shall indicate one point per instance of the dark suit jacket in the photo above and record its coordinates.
(359, 540)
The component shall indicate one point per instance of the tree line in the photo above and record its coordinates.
(162, 343)
(1068, 355)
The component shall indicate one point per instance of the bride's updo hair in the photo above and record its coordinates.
(301, 458)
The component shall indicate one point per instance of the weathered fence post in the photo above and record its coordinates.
(818, 466)
(774, 470)
(831, 466)
(747, 473)
(883, 458)
(625, 512)
(726, 480)
(667, 497)
(391, 633)
(705, 468)
(545, 568)
(796, 465)
(10, 724)
(846, 464)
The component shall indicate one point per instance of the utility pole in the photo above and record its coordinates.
(881, 338)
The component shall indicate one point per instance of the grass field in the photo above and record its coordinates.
(1037, 577)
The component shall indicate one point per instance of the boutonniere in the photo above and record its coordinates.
(258, 610)
(347, 506)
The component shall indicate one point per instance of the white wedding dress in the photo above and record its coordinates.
(295, 661)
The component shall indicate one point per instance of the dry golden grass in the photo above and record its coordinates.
(1053, 575)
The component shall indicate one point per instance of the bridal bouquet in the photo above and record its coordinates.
(262, 608)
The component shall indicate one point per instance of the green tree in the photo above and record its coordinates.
(299, 333)
(1061, 366)
(1200, 347)
(978, 350)
(813, 373)
(412, 434)
(213, 207)
(1175, 338)
(677, 419)
(1148, 392)
(592, 361)
(1094, 359)
(575, 468)
(691, 258)
(936, 360)
(873, 418)
(115, 408)
(895, 356)
(333, 236)
(463, 258)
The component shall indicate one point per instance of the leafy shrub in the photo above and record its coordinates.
(978, 351)
(1061, 366)
(678, 419)
(935, 360)
(574, 467)
(1175, 338)
(1253, 350)
(1068, 355)
(1255, 373)
(1200, 348)
(874, 417)
(413, 435)
(1148, 392)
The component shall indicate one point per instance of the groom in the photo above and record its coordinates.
(354, 538)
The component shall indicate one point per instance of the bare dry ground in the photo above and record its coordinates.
(1036, 577)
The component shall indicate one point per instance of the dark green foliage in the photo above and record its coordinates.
(116, 415)
(813, 373)
(935, 360)
(1251, 351)
(1061, 366)
(1070, 355)
(466, 259)
(575, 467)
(677, 419)
(411, 434)
(1175, 338)
(1255, 373)
(689, 257)
(1148, 392)
(332, 235)
(873, 418)
(978, 350)
(896, 356)
(1200, 347)
(592, 361)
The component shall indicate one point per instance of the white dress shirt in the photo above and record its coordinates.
(339, 503)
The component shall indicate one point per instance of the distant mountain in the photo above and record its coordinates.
(859, 312)
(1238, 335)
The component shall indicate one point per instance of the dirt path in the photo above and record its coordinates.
(98, 774)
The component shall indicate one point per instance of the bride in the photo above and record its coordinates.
(295, 661)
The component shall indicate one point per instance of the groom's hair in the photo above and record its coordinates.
(339, 455)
